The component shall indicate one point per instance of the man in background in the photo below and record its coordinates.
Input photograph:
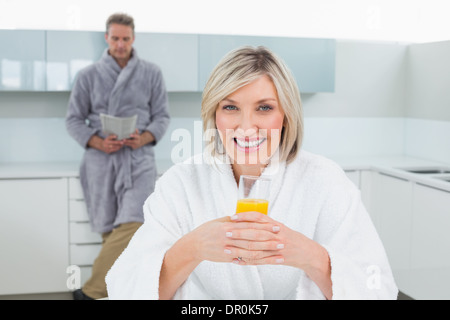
(117, 176)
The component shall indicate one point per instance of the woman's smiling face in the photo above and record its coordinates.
(250, 121)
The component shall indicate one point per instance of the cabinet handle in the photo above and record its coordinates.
(391, 176)
(432, 187)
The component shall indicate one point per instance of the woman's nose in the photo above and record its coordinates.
(248, 125)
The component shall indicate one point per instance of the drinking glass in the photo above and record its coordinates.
(253, 194)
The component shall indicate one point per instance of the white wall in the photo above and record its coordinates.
(428, 81)
(369, 82)
(427, 101)
(399, 20)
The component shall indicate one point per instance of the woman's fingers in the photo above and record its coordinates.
(242, 256)
(256, 245)
(267, 260)
(250, 234)
(253, 238)
(251, 216)
(268, 226)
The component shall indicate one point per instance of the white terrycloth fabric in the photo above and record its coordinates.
(311, 195)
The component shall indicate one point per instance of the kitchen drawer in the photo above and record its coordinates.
(86, 272)
(78, 211)
(75, 190)
(84, 254)
(80, 232)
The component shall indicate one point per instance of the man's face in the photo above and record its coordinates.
(120, 40)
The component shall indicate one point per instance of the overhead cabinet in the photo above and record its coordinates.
(312, 61)
(175, 54)
(67, 53)
(50, 60)
(22, 60)
(70, 51)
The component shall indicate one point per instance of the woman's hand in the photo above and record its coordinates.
(247, 238)
(259, 239)
(223, 240)
(254, 238)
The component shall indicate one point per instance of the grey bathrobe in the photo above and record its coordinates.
(116, 185)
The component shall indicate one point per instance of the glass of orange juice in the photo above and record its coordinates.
(253, 194)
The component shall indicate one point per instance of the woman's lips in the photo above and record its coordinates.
(249, 145)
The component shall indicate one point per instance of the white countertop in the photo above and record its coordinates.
(394, 165)
(42, 170)
(385, 164)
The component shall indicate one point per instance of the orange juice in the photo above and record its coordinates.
(258, 205)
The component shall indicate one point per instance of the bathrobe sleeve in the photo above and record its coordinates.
(359, 265)
(135, 274)
(78, 110)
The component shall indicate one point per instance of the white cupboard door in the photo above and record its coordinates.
(430, 259)
(366, 187)
(175, 54)
(392, 204)
(22, 60)
(353, 175)
(33, 236)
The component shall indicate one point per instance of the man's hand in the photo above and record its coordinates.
(107, 145)
(137, 140)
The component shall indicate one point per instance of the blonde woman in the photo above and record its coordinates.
(317, 242)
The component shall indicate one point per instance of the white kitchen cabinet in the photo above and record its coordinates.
(84, 244)
(50, 60)
(312, 61)
(34, 237)
(391, 202)
(175, 54)
(22, 60)
(67, 52)
(430, 258)
(365, 185)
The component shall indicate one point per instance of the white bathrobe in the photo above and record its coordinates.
(311, 195)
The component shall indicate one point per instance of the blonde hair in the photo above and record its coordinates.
(239, 68)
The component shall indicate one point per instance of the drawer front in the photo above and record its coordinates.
(75, 190)
(78, 211)
(80, 232)
(84, 254)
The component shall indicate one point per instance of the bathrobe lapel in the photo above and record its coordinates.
(117, 79)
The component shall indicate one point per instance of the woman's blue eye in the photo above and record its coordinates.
(229, 107)
(265, 108)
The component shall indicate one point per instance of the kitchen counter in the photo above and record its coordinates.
(394, 165)
(390, 165)
(46, 170)
(38, 170)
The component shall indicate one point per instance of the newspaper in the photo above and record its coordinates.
(121, 127)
